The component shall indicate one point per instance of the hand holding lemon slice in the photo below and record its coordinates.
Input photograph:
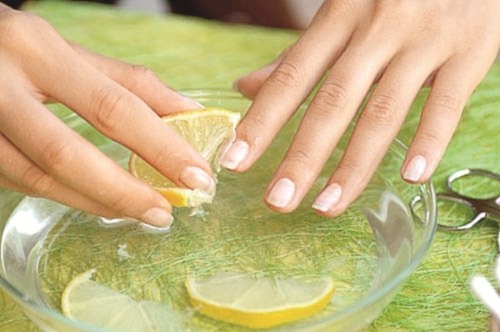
(209, 131)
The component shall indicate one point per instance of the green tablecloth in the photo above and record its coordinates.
(191, 53)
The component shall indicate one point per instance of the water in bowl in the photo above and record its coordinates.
(45, 245)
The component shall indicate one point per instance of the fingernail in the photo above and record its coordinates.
(158, 217)
(236, 153)
(415, 169)
(328, 198)
(282, 193)
(196, 178)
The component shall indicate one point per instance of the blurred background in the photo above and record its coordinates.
(151, 6)
(292, 14)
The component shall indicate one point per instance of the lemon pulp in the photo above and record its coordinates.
(243, 299)
(88, 301)
(209, 131)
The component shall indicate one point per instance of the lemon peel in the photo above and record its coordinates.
(209, 131)
(86, 300)
(245, 300)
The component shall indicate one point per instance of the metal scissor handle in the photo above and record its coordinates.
(483, 208)
(466, 172)
(478, 215)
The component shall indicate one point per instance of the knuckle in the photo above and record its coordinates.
(350, 168)
(343, 11)
(58, 156)
(286, 75)
(430, 138)
(18, 29)
(381, 110)
(253, 129)
(331, 97)
(12, 23)
(383, 6)
(107, 107)
(299, 158)
(37, 182)
(255, 122)
(138, 75)
(447, 103)
(300, 161)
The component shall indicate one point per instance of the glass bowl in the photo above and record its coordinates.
(368, 251)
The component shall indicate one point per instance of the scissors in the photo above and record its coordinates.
(488, 208)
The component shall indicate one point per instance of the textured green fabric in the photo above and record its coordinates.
(191, 53)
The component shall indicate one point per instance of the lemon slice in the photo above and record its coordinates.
(88, 301)
(242, 299)
(209, 131)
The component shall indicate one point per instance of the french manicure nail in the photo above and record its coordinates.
(328, 198)
(282, 193)
(236, 153)
(158, 217)
(195, 177)
(415, 168)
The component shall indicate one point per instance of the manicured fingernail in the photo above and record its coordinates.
(236, 153)
(195, 177)
(158, 217)
(282, 193)
(328, 198)
(415, 169)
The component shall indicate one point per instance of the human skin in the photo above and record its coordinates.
(41, 156)
(448, 45)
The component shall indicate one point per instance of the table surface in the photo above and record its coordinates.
(192, 53)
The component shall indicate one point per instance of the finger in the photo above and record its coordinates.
(121, 115)
(327, 118)
(18, 173)
(376, 128)
(452, 86)
(249, 85)
(323, 125)
(74, 162)
(7, 184)
(141, 81)
(126, 119)
(294, 77)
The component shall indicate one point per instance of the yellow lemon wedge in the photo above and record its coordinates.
(245, 300)
(86, 300)
(209, 131)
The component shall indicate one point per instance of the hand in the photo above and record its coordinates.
(42, 156)
(401, 45)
